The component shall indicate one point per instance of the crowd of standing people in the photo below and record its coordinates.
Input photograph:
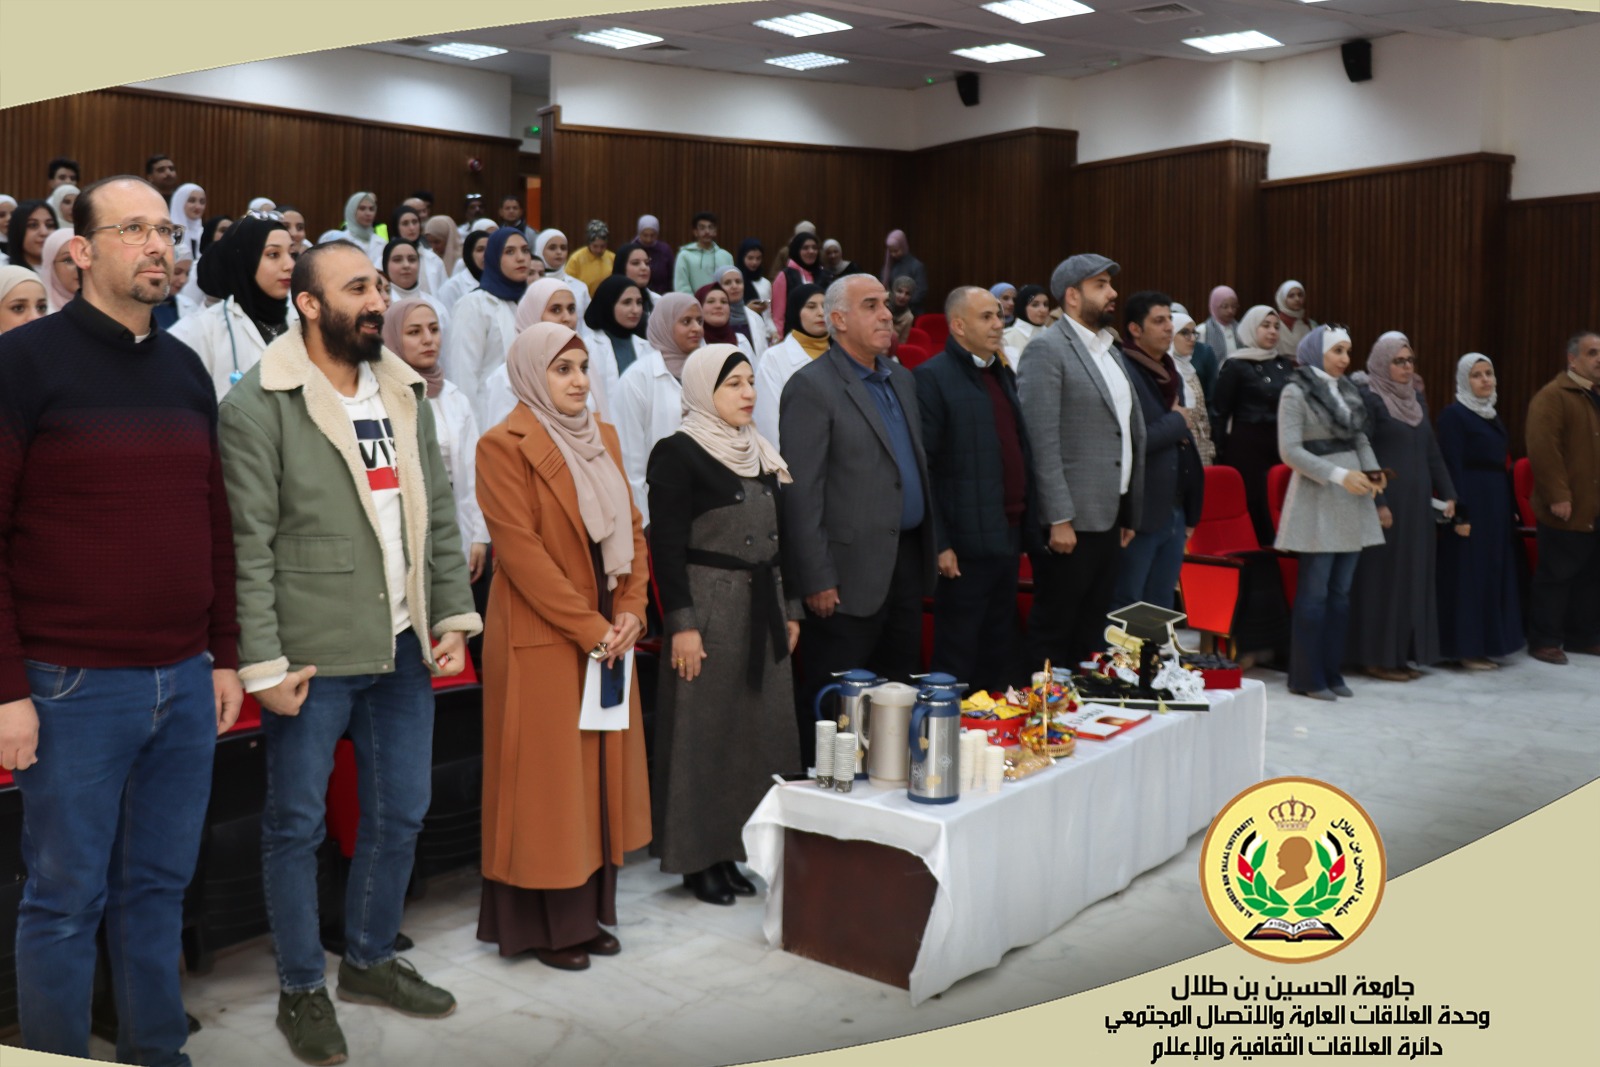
(236, 461)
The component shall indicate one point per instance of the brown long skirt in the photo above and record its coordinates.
(520, 920)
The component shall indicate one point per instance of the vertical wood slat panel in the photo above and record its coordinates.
(1548, 281)
(1414, 248)
(1179, 222)
(976, 212)
(237, 152)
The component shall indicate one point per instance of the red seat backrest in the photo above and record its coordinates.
(1278, 488)
(935, 325)
(911, 355)
(920, 338)
(1522, 486)
(1225, 524)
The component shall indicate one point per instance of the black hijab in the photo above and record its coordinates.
(601, 317)
(399, 213)
(797, 300)
(467, 246)
(394, 243)
(618, 270)
(230, 270)
(208, 231)
(751, 277)
(795, 244)
(1025, 295)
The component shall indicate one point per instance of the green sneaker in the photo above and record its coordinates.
(307, 1020)
(396, 984)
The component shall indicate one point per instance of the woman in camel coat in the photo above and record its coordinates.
(560, 806)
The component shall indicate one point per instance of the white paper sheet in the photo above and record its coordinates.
(593, 716)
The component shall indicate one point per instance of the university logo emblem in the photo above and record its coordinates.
(1292, 869)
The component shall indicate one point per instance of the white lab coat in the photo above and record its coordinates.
(648, 406)
(499, 400)
(456, 286)
(580, 293)
(432, 267)
(225, 339)
(482, 328)
(775, 368)
(604, 376)
(457, 428)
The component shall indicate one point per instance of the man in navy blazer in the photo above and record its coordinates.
(858, 529)
(981, 467)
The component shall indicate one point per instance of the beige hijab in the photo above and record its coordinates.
(530, 309)
(739, 448)
(444, 226)
(603, 500)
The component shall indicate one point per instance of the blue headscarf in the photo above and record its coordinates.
(492, 281)
(996, 291)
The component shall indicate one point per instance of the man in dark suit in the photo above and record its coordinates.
(858, 527)
(1083, 420)
(980, 466)
(1174, 483)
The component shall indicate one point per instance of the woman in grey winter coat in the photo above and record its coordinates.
(725, 706)
(1328, 515)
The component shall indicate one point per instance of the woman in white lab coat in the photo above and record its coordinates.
(610, 331)
(248, 272)
(411, 331)
(484, 322)
(805, 338)
(649, 397)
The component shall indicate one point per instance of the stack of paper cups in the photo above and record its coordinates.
(826, 729)
(844, 761)
(994, 768)
(972, 745)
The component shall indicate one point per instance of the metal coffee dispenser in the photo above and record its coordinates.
(852, 687)
(934, 743)
(888, 727)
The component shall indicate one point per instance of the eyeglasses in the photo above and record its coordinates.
(1403, 361)
(137, 233)
(1186, 333)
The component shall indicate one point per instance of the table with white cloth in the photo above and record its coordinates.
(1011, 867)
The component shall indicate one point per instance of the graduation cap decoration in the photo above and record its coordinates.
(1144, 629)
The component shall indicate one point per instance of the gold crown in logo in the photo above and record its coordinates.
(1292, 814)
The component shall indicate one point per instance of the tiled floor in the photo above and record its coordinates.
(1437, 763)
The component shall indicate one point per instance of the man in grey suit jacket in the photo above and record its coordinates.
(1088, 437)
(858, 530)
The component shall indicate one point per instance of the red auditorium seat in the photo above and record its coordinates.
(1232, 587)
(935, 326)
(1522, 486)
(922, 339)
(912, 356)
(1277, 489)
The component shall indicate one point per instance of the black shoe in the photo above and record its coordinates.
(402, 943)
(709, 886)
(737, 882)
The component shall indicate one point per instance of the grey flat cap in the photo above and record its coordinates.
(1074, 269)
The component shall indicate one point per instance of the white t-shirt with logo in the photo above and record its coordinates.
(375, 441)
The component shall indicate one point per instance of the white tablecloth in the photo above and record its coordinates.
(1073, 834)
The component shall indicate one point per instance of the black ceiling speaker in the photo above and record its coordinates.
(1357, 57)
(967, 86)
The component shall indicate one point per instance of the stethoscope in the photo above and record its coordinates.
(227, 317)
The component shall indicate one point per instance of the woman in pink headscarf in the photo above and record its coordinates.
(1394, 607)
(899, 262)
(1219, 332)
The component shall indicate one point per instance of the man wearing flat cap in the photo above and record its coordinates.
(1088, 444)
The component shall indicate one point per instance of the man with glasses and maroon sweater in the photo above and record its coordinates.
(118, 643)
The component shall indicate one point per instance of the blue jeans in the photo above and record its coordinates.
(112, 816)
(389, 717)
(1321, 620)
(1149, 567)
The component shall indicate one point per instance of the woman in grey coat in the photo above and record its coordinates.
(725, 705)
(1395, 603)
(1328, 515)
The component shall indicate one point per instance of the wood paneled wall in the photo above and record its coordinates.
(985, 210)
(1416, 248)
(237, 152)
(1180, 222)
(975, 212)
(1549, 285)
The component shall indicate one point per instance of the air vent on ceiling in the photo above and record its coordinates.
(664, 48)
(914, 29)
(1161, 13)
(415, 42)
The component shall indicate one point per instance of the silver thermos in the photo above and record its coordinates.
(935, 742)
